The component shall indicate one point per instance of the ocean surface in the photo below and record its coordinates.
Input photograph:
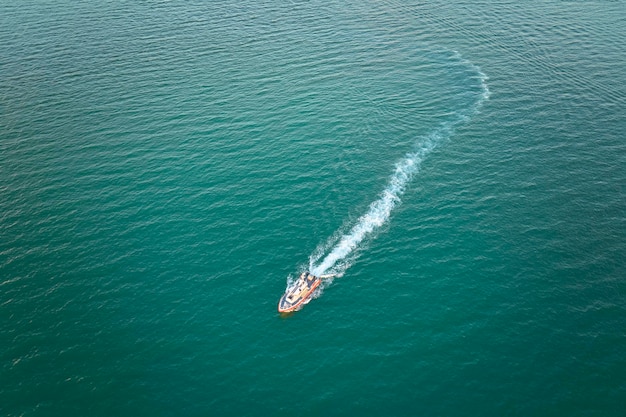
(167, 168)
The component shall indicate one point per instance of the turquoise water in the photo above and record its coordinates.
(166, 168)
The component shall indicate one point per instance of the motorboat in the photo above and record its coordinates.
(299, 292)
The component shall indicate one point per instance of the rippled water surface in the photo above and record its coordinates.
(167, 167)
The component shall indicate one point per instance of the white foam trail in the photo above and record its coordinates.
(380, 210)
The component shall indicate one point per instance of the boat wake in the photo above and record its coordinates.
(338, 259)
(337, 254)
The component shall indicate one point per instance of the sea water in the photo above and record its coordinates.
(166, 167)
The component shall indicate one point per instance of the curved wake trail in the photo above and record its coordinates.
(380, 210)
